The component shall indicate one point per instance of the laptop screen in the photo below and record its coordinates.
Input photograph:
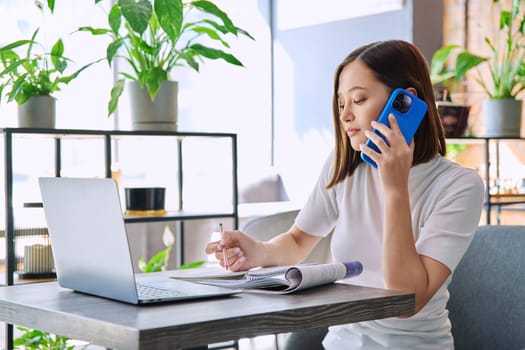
(88, 236)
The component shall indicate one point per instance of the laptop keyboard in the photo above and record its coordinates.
(150, 292)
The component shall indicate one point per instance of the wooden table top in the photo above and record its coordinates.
(116, 325)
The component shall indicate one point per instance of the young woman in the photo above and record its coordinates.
(409, 221)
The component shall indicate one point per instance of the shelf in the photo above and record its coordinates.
(491, 172)
(507, 198)
(108, 148)
(18, 280)
(73, 133)
(482, 138)
(177, 216)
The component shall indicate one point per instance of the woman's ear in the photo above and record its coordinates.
(412, 90)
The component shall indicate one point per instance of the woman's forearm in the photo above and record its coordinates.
(288, 248)
(403, 268)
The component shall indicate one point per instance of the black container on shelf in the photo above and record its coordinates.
(145, 200)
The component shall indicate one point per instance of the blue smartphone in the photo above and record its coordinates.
(409, 112)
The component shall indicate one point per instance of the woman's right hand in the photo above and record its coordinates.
(242, 251)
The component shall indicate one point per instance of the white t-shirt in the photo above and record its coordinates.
(446, 201)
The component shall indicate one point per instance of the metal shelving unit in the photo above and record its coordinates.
(109, 139)
(491, 152)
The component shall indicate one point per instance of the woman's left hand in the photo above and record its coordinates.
(396, 156)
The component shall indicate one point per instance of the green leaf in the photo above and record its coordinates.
(115, 18)
(170, 14)
(76, 73)
(137, 13)
(192, 265)
(140, 47)
(439, 58)
(9, 56)
(211, 34)
(112, 49)
(505, 19)
(32, 42)
(154, 27)
(190, 61)
(156, 263)
(94, 31)
(211, 8)
(40, 340)
(153, 79)
(21, 98)
(68, 78)
(215, 25)
(51, 5)
(128, 76)
(56, 54)
(466, 61)
(116, 92)
(214, 54)
(13, 67)
(15, 44)
(65, 79)
(61, 65)
(17, 90)
(245, 33)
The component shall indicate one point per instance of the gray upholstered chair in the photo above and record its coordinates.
(487, 292)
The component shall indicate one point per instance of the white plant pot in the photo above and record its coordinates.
(37, 112)
(502, 118)
(160, 114)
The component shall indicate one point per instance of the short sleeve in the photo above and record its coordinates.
(448, 231)
(320, 212)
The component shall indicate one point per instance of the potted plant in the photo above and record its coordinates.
(506, 70)
(154, 37)
(36, 339)
(454, 114)
(32, 77)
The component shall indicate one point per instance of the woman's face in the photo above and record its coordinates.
(361, 97)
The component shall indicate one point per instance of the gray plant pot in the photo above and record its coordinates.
(502, 118)
(37, 112)
(160, 114)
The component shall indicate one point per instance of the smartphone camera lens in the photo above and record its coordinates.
(397, 104)
(402, 103)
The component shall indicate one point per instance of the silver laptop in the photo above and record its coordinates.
(91, 249)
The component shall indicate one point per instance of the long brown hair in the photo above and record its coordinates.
(397, 64)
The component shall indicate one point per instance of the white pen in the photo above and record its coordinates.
(226, 266)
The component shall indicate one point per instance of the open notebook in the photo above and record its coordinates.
(91, 249)
(274, 280)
